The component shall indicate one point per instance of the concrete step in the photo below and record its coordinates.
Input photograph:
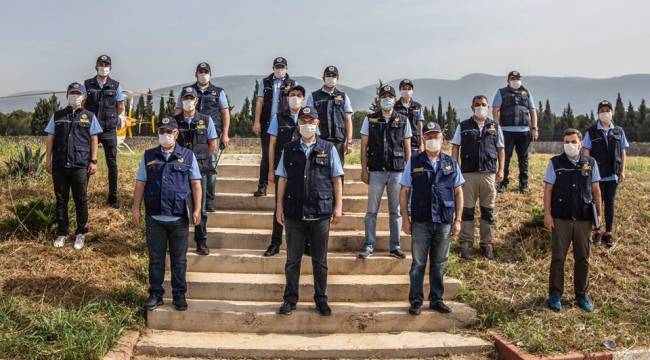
(246, 201)
(254, 262)
(246, 169)
(339, 240)
(262, 220)
(262, 317)
(228, 184)
(270, 287)
(330, 346)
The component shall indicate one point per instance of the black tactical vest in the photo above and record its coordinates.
(71, 138)
(478, 152)
(331, 113)
(102, 100)
(386, 142)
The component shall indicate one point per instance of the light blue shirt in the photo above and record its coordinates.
(277, 83)
(457, 141)
(223, 100)
(364, 128)
(586, 143)
(273, 126)
(141, 175)
(420, 113)
(406, 180)
(212, 131)
(95, 128)
(335, 163)
(549, 177)
(347, 105)
(497, 103)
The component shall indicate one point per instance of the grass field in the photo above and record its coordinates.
(74, 305)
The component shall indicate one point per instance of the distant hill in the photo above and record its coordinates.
(582, 93)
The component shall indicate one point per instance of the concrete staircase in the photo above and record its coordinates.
(234, 293)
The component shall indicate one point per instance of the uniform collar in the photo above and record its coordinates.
(327, 92)
(599, 125)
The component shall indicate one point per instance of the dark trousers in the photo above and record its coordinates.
(608, 191)
(564, 233)
(160, 235)
(109, 143)
(276, 235)
(340, 149)
(201, 230)
(212, 175)
(430, 240)
(64, 180)
(300, 232)
(264, 165)
(518, 141)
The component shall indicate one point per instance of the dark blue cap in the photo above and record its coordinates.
(308, 111)
(331, 70)
(279, 61)
(75, 86)
(386, 89)
(168, 123)
(104, 58)
(189, 90)
(406, 82)
(203, 66)
(605, 103)
(431, 127)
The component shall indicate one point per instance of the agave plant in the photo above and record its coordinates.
(27, 163)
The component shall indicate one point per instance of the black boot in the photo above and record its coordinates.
(152, 302)
(272, 250)
(179, 302)
(261, 191)
(202, 249)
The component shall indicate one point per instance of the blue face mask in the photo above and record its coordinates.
(386, 103)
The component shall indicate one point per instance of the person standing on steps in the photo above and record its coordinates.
(271, 98)
(282, 130)
(514, 110)
(309, 198)
(71, 158)
(606, 143)
(169, 180)
(385, 148)
(213, 102)
(197, 133)
(414, 112)
(571, 206)
(105, 99)
(434, 180)
(478, 143)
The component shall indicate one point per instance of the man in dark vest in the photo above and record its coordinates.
(282, 130)
(272, 97)
(478, 146)
(571, 206)
(385, 149)
(197, 133)
(414, 111)
(513, 108)
(169, 180)
(213, 102)
(71, 157)
(106, 101)
(309, 198)
(606, 143)
(335, 112)
(434, 181)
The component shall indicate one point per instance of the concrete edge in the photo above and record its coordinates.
(124, 348)
(508, 351)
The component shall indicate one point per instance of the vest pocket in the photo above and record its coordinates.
(398, 160)
(179, 207)
(81, 155)
(324, 202)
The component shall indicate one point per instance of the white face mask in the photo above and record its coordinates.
(203, 78)
(75, 100)
(188, 105)
(605, 117)
(572, 150)
(406, 94)
(481, 112)
(515, 84)
(295, 102)
(279, 73)
(432, 145)
(166, 140)
(330, 81)
(103, 70)
(308, 130)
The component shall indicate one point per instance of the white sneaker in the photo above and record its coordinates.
(60, 241)
(79, 241)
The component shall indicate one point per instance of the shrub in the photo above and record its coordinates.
(26, 163)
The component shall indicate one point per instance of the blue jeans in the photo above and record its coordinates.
(378, 180)
(212, 176)
(161, 234)
(200, 230)
(428, 239)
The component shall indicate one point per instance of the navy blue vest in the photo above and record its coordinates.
(208, 104)
(309, 193)
(103, 102)
(572, 196)
(386, 142)
(514, 107)
(412, 113)
(432, 196)
(194, 136)
(331, 113)
(267, 83)
(608, 152)
(478, 152)
(168, 187)
(287, 132)
(71, 138)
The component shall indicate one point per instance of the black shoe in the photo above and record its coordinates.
(415, 309)
(323, 308)
(464, 252)
(523, 189)
(596, 238)
(202, 249)
(272, 250)
(488, 252)
(502, 188)
(210, 208)
(179, 302)
(152, 302)
(365, 254)
(608, 240)
(398, 253)
(440, 307)
(261, 191)
(114, 204)
(307, 250)
(287, 308)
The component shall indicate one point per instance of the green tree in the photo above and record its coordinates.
(357, 121)
(139, 108)
(171, 103)
(619, 111)
(568, 119)
(43, 111)
(440, 116)
(254, 98)
(162, 110)
(148, 106)
(451, 122)
(631, 123)
(374, 105)
(644, 123)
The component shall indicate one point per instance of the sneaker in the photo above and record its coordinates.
(608, 240)
(584, 303)
(415, 309)
(365, 254)
(60, 241)
(210, 208)
(488, 252)
(323, 309)
(596, 238)
(398, 253)
(202, 249)
(523, 189)
(287, 308)
(554, 302)
(502, 188)
(79, 241)
(179, 302)
(272, 250)
(440, 307)
(464, 252)
(152, 302)
(261, 191)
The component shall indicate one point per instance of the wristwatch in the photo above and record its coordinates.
(93, 161)
(533, 128)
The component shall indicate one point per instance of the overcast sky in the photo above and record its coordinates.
(48, 44)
